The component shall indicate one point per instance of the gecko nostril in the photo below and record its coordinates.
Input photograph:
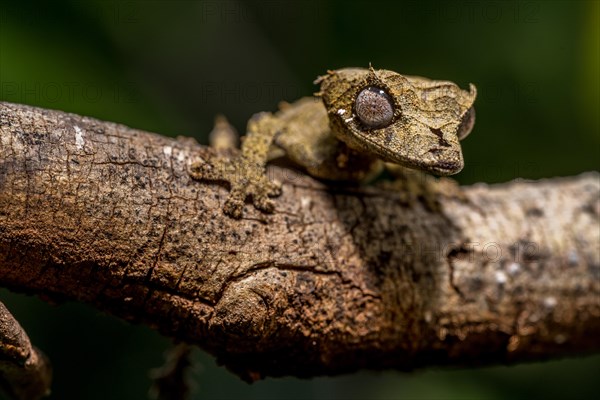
(438, 132)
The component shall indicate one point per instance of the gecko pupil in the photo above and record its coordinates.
(374, 107)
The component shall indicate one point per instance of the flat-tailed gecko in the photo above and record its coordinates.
(358, 121)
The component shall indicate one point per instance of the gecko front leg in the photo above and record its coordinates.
(244, 172)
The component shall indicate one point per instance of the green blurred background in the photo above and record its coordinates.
(170, 66)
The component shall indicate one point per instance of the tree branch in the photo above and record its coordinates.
(337, 279)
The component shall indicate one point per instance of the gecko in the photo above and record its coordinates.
(360, 120)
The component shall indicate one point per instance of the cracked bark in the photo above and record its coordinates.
(336, 279)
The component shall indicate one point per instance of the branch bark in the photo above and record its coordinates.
(337, 279)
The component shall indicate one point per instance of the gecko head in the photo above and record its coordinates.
(411, 121)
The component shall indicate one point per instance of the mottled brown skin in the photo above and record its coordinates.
(363, 119)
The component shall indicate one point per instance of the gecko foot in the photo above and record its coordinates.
(259, 192)
(246, 181)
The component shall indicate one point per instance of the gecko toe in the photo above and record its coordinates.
(234, 208)
(273, 189)
(264, 204)
(204, 171)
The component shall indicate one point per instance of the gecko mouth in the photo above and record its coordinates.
(444, 167)
(440, 168)
(438, 161)
(447, 168)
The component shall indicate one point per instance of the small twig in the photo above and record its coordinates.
(25, 372)
(171, 381)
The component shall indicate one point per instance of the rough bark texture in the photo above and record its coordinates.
(336, 279)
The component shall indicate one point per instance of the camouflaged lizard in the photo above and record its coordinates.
(358, 121)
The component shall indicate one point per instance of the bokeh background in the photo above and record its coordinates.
(170, 66)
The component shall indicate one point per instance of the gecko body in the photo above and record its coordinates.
(360, 120)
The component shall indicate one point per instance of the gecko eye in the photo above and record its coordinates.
(374, 107)
(466, 124)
